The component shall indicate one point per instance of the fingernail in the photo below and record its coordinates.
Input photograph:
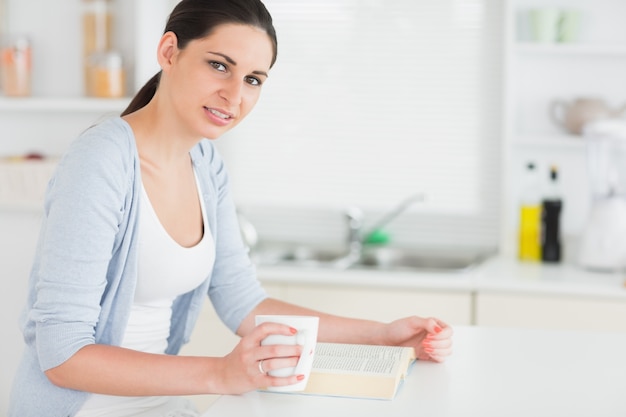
(293, 331)
(437, 329)
(300, 377)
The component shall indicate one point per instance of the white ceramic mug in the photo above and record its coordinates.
(307, 337)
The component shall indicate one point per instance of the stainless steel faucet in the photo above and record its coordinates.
(355, 222)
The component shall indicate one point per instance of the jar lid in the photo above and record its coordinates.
(96, 6)
(16, 41)
(109, 59)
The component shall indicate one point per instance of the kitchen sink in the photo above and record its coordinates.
(383, 258)
(299, 255)
(402, 259)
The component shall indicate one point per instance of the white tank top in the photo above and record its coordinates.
(165, 271)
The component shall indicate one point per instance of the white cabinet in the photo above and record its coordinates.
(383, 304)
(211, 337)
(560, 312)
(537, 74)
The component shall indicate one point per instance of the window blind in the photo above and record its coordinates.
(370, 102)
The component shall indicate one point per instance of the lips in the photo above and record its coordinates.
(219, 117)
(219, 113)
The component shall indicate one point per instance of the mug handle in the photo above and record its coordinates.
(557, 112)
(303, 338)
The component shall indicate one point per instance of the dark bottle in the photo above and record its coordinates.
(551, 208)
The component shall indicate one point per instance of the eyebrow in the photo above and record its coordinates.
(232, 62)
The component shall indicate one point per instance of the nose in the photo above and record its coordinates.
(231, 91)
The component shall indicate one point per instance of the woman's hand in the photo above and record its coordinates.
(246, 367)
(431, 338)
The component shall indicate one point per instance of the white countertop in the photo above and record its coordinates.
(493, 372)
(498, 274)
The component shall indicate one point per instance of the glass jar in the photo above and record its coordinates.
(106, 74)
(15, 63)
(97, 33)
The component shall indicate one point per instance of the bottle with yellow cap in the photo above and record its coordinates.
(529, 228)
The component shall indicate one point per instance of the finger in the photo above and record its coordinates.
(288, 380)
(279, 363)
(445, 332)
(436, 326)
(263, 330)
(279, 351)
(432, 346)
(436, 355)
(437, 343)
(442, 351)
(268, 328)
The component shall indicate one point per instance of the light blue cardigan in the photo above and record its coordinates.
(85, 268)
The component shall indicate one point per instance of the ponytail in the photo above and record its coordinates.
(144, 95)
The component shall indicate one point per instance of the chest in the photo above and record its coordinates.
(175, 201)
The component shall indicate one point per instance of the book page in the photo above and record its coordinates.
(365, 359)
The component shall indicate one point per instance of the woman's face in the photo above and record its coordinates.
(216, 81)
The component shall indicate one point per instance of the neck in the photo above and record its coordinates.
(158, 136)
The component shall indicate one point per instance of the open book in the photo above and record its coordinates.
(365, 371)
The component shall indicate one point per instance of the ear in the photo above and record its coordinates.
(167, 50)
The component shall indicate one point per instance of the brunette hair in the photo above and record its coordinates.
(196, 19)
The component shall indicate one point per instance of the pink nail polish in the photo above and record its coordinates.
(300, 377)
(438, 329)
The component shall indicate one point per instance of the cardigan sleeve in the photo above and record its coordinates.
(84, 208)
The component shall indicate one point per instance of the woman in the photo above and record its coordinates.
(140, 226)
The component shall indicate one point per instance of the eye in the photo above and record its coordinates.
(218, 66)
(253, 81)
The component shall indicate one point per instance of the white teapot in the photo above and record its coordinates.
(573, 115)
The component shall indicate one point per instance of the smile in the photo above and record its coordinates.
(218, 114)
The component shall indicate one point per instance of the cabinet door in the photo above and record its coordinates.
(383, 304)
(550, 312)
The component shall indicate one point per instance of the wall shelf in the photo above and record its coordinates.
(548, 140)
(62, 104)
(573, 49)
(538, 73)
